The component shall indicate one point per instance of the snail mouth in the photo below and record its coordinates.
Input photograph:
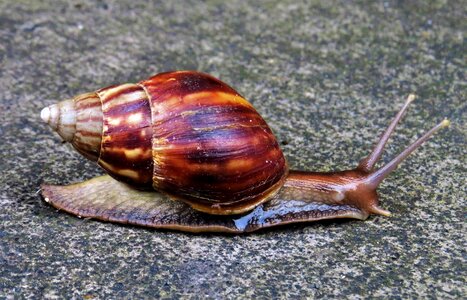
(362, 195)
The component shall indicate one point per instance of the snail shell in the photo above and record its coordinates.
(186, 134)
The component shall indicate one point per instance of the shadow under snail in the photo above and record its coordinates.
(193, 138)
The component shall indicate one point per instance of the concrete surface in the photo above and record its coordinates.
(327, 76)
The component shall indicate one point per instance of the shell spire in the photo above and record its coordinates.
(62, 118)
(79, 122)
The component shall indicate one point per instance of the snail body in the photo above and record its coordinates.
(195, 139)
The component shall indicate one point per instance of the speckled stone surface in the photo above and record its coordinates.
(327, 76)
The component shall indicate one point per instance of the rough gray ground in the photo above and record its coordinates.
(327, 76)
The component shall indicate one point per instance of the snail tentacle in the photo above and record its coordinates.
(367, 164)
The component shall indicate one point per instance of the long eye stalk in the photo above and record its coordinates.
(367, 164)
(376, 177)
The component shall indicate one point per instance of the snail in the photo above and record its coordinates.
(185, 151)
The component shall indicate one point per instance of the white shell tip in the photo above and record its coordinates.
(45, 114)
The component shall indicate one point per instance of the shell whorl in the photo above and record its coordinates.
(211, 148)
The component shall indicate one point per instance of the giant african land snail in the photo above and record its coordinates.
(195, 139)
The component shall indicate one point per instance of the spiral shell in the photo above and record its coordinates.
(186, 134)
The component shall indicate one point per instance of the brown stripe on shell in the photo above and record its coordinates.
(87, 101)
(115, 93)
(66, 123)
(211, 148)
(126, 152)
(184, 83)
(85, 133)
(87, 139)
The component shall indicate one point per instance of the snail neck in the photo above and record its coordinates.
(335, 188)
